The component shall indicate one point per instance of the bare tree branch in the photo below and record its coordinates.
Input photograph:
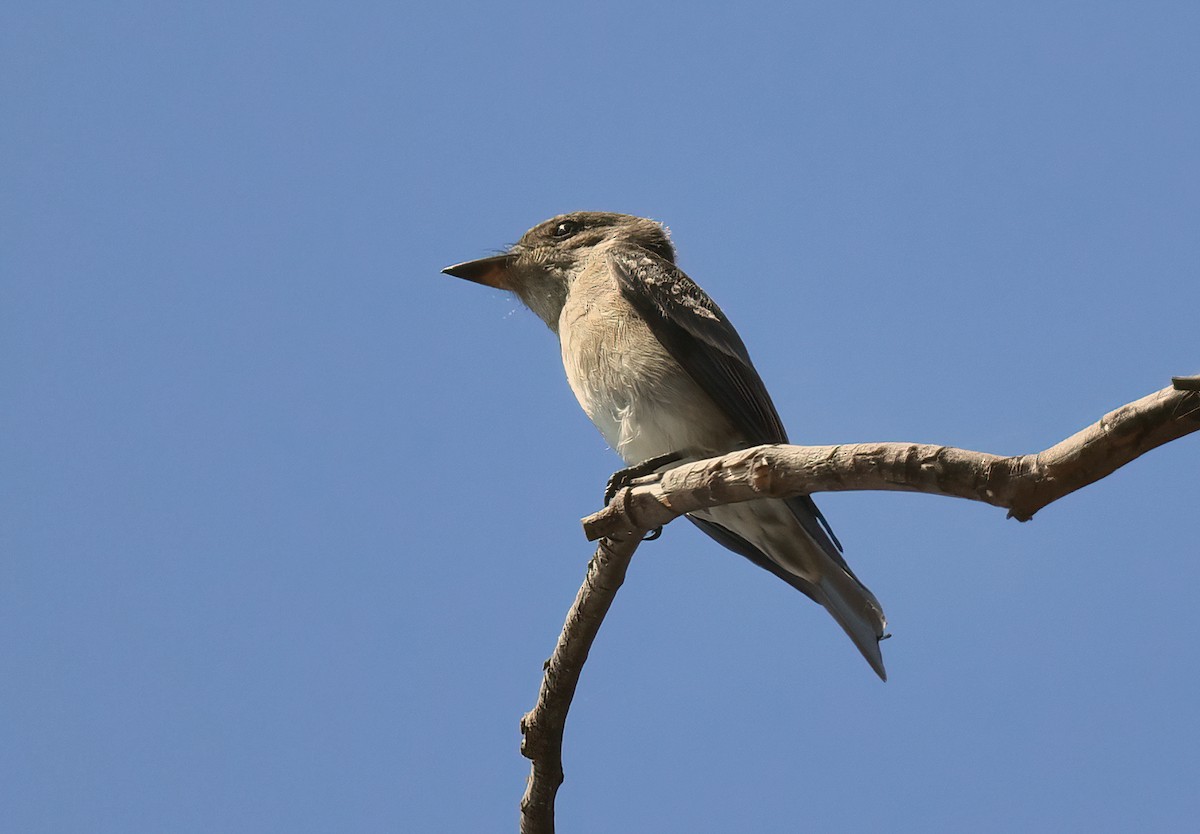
(1022, 484)
(542, 727)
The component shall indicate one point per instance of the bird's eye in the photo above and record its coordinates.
(566, 228)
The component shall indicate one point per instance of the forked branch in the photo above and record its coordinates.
(1022, 484)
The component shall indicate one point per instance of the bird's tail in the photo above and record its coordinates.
(849, 601)
(856, 611)
(808, 559)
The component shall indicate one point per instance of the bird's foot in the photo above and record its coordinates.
(624, 477)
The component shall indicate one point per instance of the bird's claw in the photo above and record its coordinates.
(624, 477)
(616, 482)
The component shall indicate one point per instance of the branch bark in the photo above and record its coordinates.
(542, 727)
(1022, 484)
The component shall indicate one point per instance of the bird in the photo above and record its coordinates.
(662, 373)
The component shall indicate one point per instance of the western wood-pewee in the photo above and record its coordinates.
(663, 374)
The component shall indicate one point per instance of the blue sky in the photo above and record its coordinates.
(289, 520)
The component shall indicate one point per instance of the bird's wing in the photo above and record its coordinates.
(699, 337)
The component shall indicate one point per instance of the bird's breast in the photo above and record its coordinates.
(640, 398)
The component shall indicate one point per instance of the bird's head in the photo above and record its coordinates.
(542, 265)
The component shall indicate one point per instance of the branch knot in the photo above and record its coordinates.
(761, 474)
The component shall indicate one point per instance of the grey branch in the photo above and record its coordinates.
(542, 727)
(1021, 484)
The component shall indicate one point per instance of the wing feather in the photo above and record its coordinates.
(700, 337)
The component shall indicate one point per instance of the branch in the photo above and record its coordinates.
(1023, 485)
(543, 726)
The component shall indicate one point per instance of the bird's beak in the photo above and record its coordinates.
(491, 272)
